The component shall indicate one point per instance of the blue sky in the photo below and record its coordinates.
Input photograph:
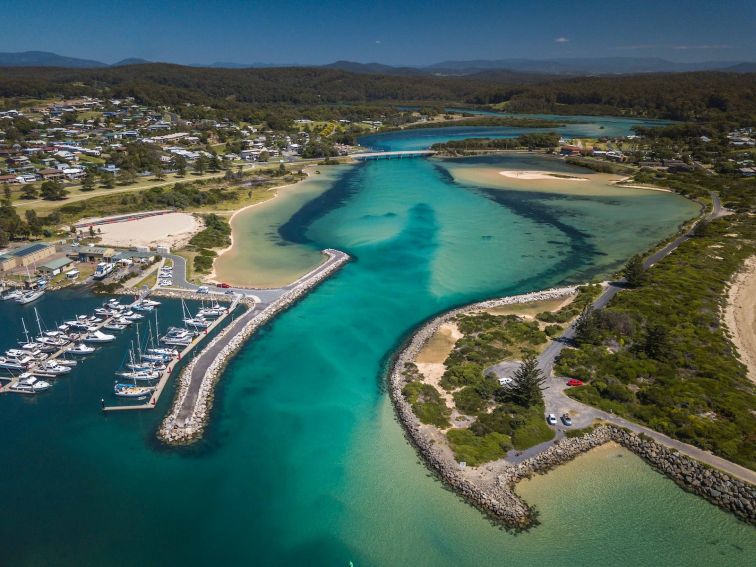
(396, 33)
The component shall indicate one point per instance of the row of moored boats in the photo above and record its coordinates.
(52, 353)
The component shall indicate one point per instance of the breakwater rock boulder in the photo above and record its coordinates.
(496, 497)
(188, 417)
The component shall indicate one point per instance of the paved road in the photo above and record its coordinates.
(557, 401)
(209, 354)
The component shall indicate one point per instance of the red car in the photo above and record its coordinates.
(574, 382)
(224, 285)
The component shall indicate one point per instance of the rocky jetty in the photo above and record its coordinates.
(179, 428)
(496, 498)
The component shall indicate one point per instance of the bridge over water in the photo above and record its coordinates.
(393, 155)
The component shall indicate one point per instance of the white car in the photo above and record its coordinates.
(551, 419)
(203, 289)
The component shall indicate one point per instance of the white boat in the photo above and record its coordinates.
(52, 367)
(140, 375)
(147, 365)
(131, 316)
(132, 391)
(16, 353)
(102, 270)
(13, 294)
(197, 322)
(114, 326)
(12, 363)
(98, 337)
(171, 352)
(151, 303)
(30, 296)
(81, 349)
(28, 384)
(66, 362)
(141, 306)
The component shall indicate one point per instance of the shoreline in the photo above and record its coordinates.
(493, 493)
(740, 314)
(212, 277)
(174, 431)
(535, 175)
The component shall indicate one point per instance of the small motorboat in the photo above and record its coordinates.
(81, 349)
(98, 337)
(52, 367)
(113, 326)
(12, 294)
(28, 384)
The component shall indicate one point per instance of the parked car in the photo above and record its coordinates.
(223, 285)
(203, 289)
(551, 419)
(575, 382)
(566, 419)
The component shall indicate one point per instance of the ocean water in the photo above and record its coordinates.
(303, 462)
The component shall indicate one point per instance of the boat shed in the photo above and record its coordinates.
(55, 266)
(95, 254)
(25, 255)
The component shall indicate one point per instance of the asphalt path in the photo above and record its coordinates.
(557, 402)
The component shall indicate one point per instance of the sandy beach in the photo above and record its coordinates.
(740, 315)
(174, 229)
(536, 175)
(254, 260)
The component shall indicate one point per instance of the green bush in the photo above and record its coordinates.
(475, 450)
(427, 404)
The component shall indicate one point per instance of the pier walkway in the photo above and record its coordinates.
(186, 420)
(34, 368)
(166, 374)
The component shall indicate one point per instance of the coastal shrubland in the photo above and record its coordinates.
(427, 403)
(502, 418)
(586, 294)
(216, 234)
(658, 353)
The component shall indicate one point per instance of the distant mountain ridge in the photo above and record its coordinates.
(45, 59)
(515, 69)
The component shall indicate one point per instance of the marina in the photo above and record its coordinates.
(33, 367)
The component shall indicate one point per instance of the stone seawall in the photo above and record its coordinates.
(497, 499)
(183, 431)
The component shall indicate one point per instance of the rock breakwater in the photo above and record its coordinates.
(188, 417)
(495, 495)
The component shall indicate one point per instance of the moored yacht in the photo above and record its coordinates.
(28, 384)
(98, 337)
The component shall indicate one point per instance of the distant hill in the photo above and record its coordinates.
(374, 68)
(45, 59)
(742, 68)
(580, 66)
(130, 61)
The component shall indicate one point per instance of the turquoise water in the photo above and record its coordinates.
(574, 127)
(303, 463)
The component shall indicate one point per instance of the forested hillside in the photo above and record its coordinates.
(682, 96)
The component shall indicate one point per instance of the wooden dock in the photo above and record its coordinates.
(166, 374)
(59, 353)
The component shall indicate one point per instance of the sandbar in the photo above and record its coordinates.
(535, 175)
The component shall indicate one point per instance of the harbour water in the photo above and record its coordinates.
(303, 462)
